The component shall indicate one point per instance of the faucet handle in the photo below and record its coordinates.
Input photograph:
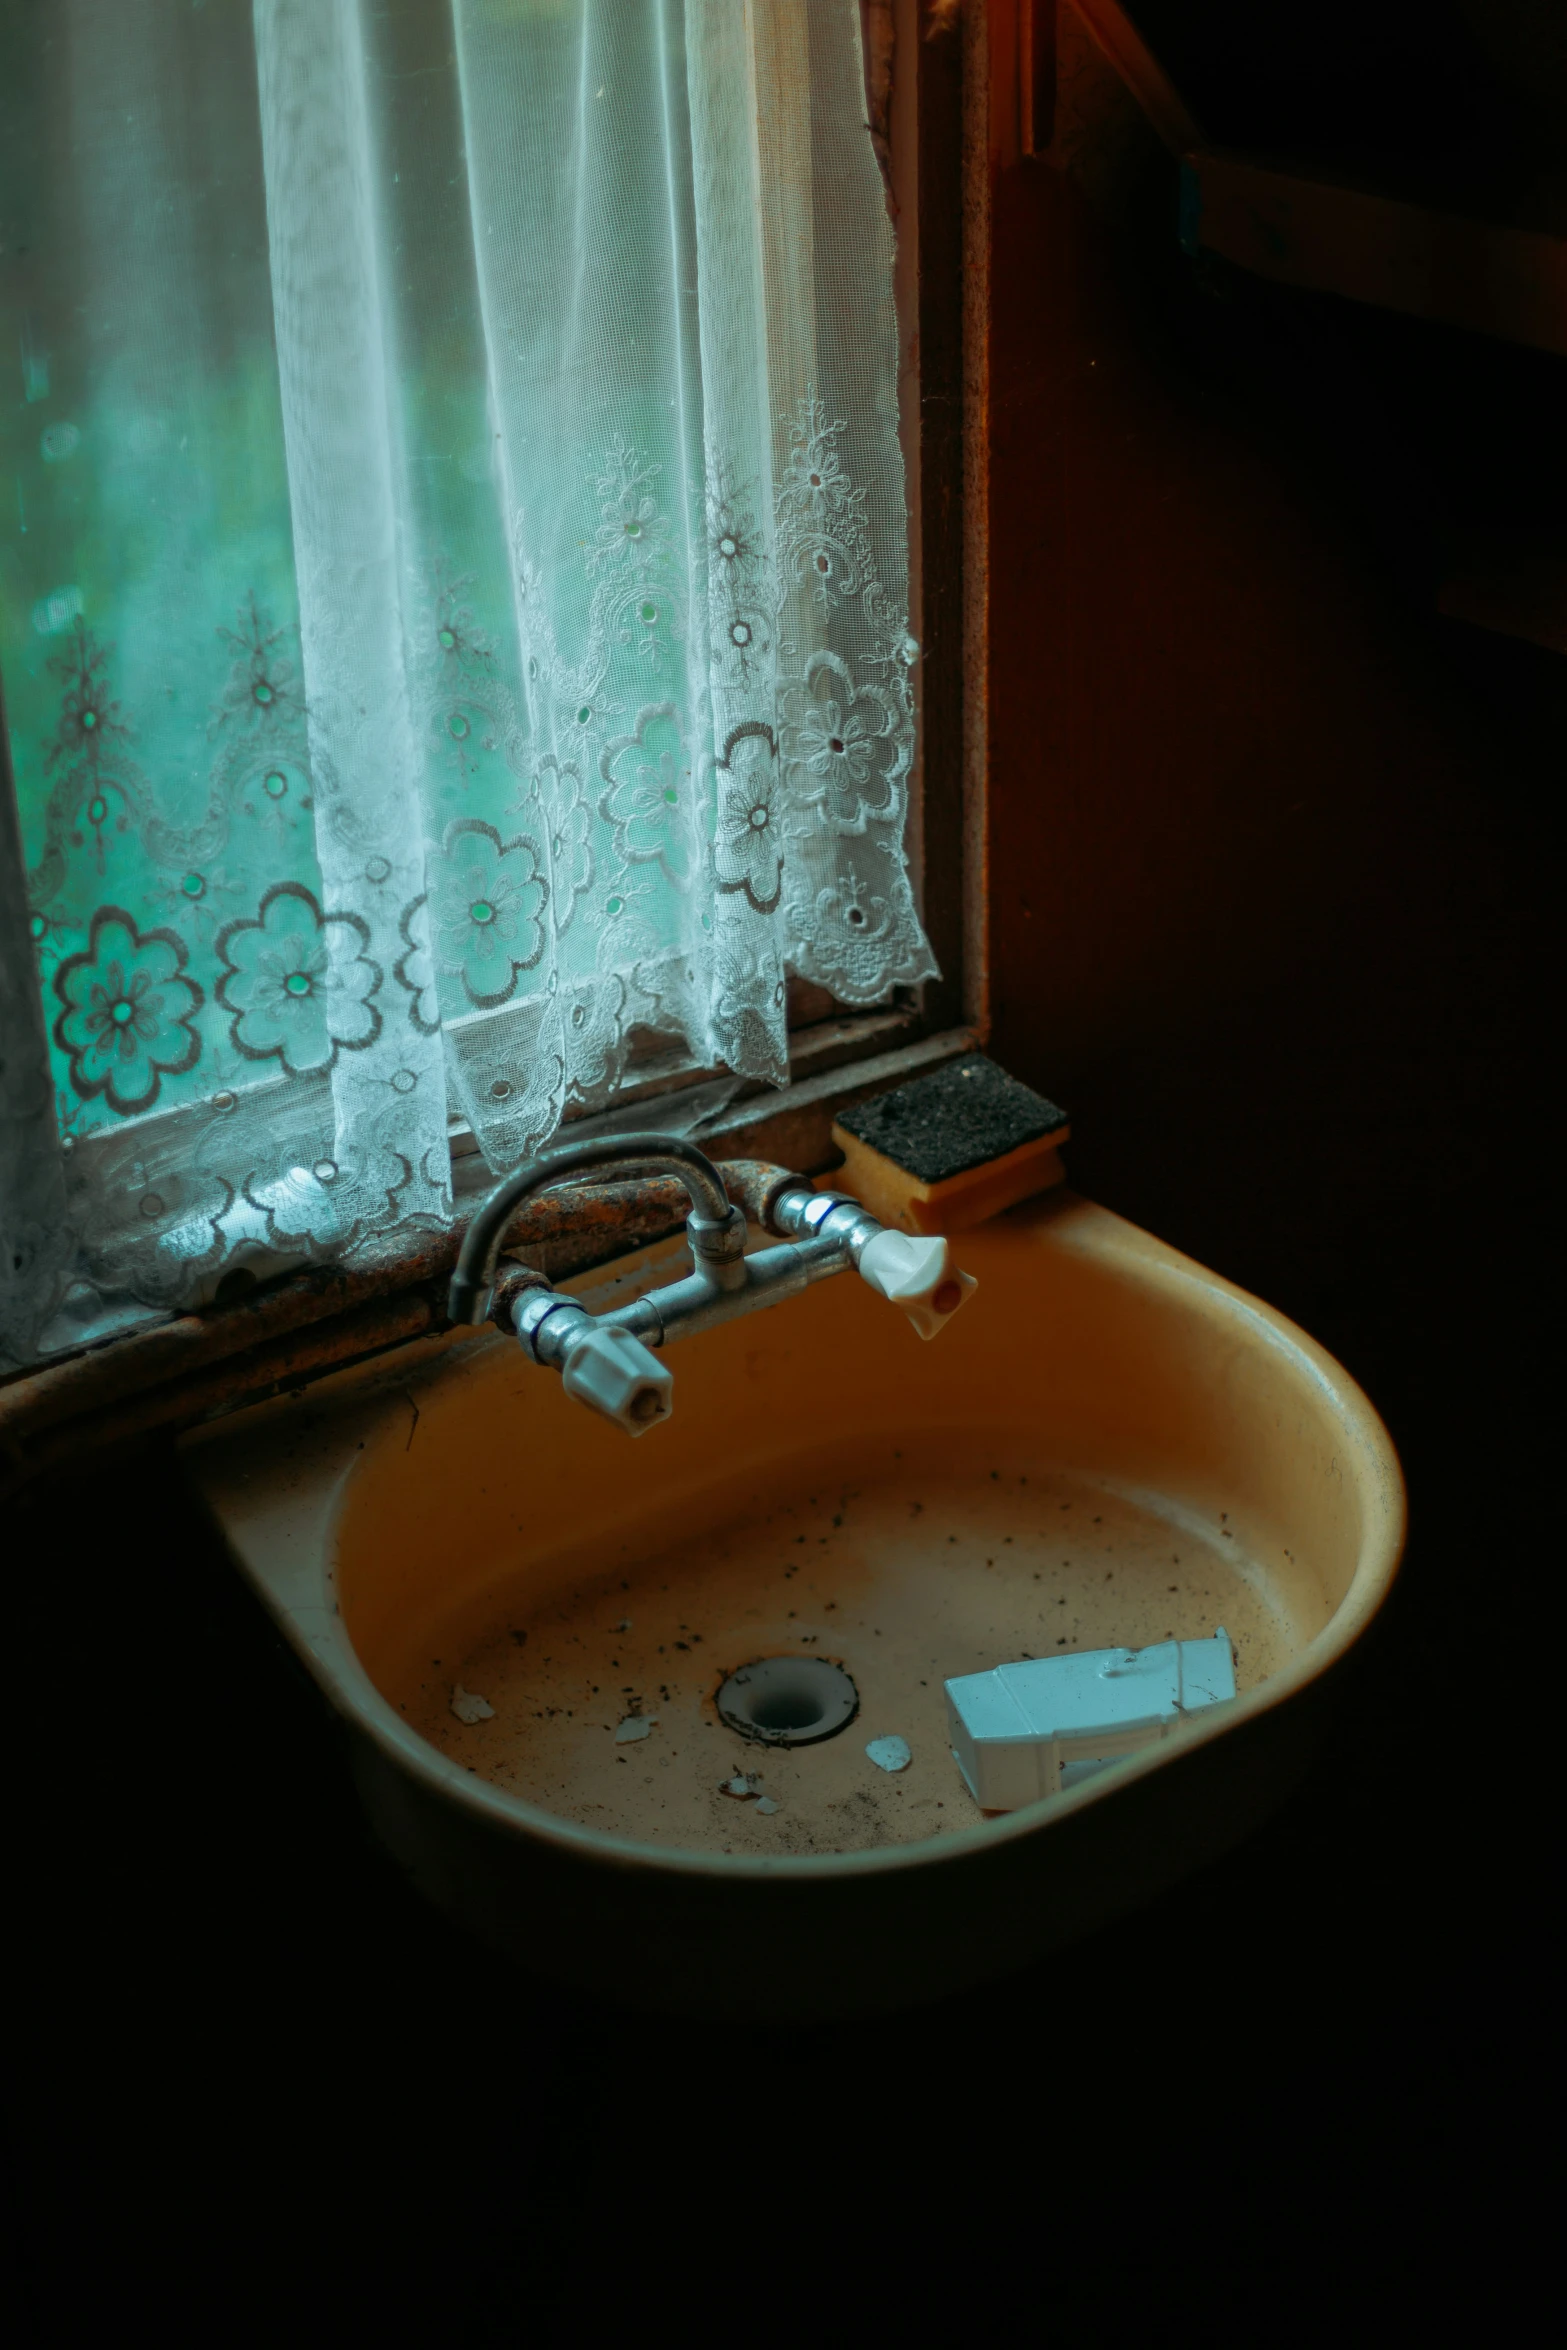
(917, 1275)
(615, 1373)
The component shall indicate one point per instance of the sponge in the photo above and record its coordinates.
(950, 1148)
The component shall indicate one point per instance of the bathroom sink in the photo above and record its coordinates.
(526, 1619)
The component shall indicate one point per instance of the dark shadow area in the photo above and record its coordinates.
(1458, 103)
(261, 2089)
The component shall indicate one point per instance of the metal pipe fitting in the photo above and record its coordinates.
(718, 1246)
(827, 1215)
(607, 1363)
(756, 1185)
(541, 1306)
(473, 1282)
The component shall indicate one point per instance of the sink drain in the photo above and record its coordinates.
(788, 1700)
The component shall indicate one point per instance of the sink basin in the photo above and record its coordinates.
(525, 1619)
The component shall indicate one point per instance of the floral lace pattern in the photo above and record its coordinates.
(748, 849)
(532, 710)
(299, 982)
(487, 901)
(128, 1016)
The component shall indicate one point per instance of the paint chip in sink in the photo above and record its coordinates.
(469, 1707)
(890, 1754)
(746, 1787)
(635, 1726)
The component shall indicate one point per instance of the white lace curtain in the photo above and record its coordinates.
(455, 613)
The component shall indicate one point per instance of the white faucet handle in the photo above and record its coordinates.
(619, 1377)
(917, 1275)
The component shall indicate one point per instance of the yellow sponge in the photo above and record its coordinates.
(950, 1148)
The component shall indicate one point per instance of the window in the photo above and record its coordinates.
(455, 628)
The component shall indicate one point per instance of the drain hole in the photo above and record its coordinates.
(788, 1700)
(791, 1709)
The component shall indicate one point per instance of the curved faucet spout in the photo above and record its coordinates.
(712, 1219)
(608, 1363)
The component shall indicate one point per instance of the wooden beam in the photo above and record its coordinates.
(1302, 229)
(1123, 46)
(1510, 282)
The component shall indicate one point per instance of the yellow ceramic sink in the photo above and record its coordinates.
(526, 1618)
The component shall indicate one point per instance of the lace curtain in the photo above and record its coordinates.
(454, 603)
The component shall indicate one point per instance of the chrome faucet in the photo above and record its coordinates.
(608, 1362)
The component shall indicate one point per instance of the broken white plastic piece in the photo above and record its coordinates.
(890, 1754)
(635, 1727)
(619, 1377)
(917, 1275)
(1030, 1729)
(470, 1707)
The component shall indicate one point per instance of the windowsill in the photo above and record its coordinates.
(665, 1085)
(157, 1377)
(825, 1045)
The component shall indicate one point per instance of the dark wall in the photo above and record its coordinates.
(1270, 880)
(1274, 900)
